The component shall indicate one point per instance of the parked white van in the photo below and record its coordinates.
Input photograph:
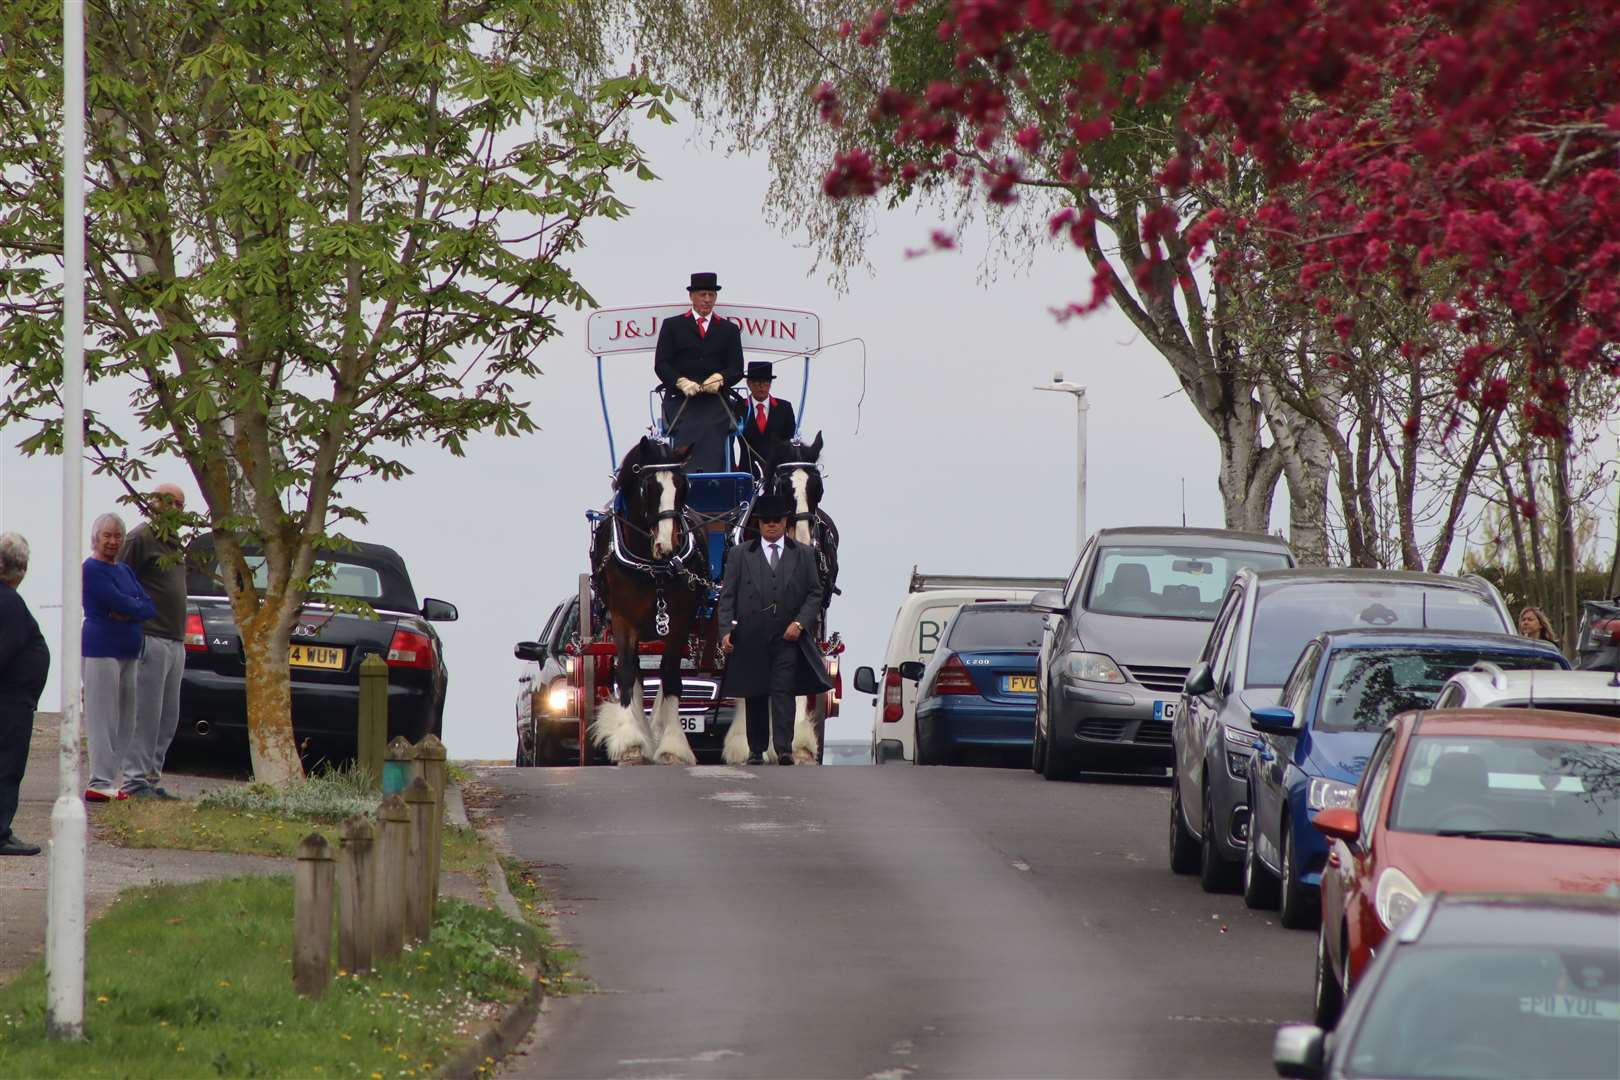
(919, 627)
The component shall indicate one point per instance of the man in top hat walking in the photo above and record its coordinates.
(769, 603)
(698, 359)
(769, 421)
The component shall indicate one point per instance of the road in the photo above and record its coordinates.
(891, 921)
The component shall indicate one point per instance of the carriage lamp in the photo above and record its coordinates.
(571, 666)
(838, 684)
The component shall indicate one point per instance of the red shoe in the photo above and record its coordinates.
(95, 795)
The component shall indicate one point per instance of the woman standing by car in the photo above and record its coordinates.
(115, 605)
(1533, 623)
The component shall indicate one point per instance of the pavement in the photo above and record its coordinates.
(891, 921)
(109, 869)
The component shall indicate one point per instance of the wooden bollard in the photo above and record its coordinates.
(432, 767)
(419, 862)
(372, 733)
(357, 893)
(388, 906)
(399, 765)
(312, 917)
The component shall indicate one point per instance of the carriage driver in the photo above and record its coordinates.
(699, 357)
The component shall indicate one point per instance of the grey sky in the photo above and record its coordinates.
(958, 463)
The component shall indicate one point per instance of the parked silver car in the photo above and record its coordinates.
(1488, 686)
(1121, 637)
(1265, 621)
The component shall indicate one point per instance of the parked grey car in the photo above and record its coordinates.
(1265, 621)
(1120, 638)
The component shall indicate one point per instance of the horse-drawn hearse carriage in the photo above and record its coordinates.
(645, 669)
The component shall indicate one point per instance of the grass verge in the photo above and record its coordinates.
(196, 981)
(558, 974)
(208, 826)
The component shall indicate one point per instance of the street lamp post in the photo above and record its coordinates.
(1063, 386)
(64, 927)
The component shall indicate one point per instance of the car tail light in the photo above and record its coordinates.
(953, 678)
(1608, 628)
(892, 709)
(410, 649)
(195, 641)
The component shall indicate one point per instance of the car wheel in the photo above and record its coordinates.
(1183, 844)
(1058, 764)
(1301, 904)
(1259, 886)
(1037, 754)
(1328, 998)
(1214, 873)
(924, 754)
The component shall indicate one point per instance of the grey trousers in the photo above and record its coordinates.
(109, 716)
(157, 711)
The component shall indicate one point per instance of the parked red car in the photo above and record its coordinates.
(1465, 800)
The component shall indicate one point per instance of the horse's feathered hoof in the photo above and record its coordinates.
(632, 756)
(671, 758)
(801, 756)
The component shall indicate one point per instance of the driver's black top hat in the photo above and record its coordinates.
(760, 371)
(704, 281)
(771, 508)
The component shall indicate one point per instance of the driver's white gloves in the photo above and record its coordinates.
(687, 386)
(713, 384)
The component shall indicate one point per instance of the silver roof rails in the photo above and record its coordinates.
(1499, 680)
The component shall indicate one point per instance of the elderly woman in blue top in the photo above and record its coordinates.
(115, 605)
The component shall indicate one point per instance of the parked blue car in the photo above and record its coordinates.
(978, 690)
(1311, 748)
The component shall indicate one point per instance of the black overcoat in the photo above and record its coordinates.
(757, 604)
(779, 426)
(683, 354)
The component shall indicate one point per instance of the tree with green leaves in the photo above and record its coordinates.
(316, 233)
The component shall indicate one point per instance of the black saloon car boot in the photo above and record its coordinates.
(13, 846)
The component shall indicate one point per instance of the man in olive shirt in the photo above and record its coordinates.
(162, 573)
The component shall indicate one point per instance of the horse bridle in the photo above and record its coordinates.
(810, 466)
(674, 513)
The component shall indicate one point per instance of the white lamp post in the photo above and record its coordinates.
(64, 928)
(1062, 386)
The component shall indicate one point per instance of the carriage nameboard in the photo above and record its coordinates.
(764, 329)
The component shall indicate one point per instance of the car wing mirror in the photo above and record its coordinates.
(1048, 601)
(1200, 680)
(1297, 1051)
(912, 669)
(439, 610)
(1338, 824)
(865, 681)
(529, 650)
(1273, 720)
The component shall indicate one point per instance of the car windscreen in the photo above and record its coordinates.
(977, 629)
(1365, 687)
(1505, 1010)
(357, 575)
(1170, 582)
(1291, 613)
(1588, 708)
(1533, 790)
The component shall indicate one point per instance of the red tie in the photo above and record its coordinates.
(759, 416)
(703, 327)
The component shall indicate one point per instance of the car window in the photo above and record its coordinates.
(1071, 588)
(1288, 613)
(1221, 665)
(544, 637)
(342, 578)
(1507, 1009)
(996, 628)
(1169, 582)
(1296, 693)
(567, 627)
(1450, 697)
(1510, 788)
(1365, 687)
(1589, 708)
(1223, 621)
(1376, 779)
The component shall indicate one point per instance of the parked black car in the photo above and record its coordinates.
(1479, 987)
(547, 723)
(327, 648)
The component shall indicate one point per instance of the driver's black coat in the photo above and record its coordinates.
(684, 354)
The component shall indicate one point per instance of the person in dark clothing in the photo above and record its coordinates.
(768, 420)
(698, 359)
(115, 606)
(769, 603)
(25, 661)
(162, 573)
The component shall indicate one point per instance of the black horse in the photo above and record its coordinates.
(651, 573)
(794, 473)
